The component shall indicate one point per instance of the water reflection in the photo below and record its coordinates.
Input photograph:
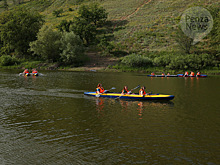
(129, 105)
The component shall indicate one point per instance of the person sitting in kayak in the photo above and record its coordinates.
(99, 88)
(125, 90)
(186, 74)
(34, 72)
(152, 74)
(192, 74)
(163, 74)
(198, 74)
(168, 74)
(26, 72)
(142, 91)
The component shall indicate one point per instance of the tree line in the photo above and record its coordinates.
(24, 35)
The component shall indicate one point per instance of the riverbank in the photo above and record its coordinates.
(103, 66)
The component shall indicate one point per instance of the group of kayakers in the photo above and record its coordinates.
(100, 90)
(186, 74)
(27, 73)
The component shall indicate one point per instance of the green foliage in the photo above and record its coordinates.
(72, 49)
(215, 33)
(64, 26)
(105, 45)
(7, 60)
(135, 60)
(47, 45)
(88, 19)
(188, 61)
(18, 28)
(58, 13)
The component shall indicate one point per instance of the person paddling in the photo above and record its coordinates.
(192, 74)
(152, 74)
(186, 74)
(125, 90)
(142, 91)
(26, 72)
(99, 89)
(198, 74)
(34, 72)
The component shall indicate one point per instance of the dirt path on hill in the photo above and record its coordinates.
(98, 62)
(135, 11)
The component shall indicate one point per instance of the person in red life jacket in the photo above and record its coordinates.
(34, 72)
(26, 72)
(163, 74)
(99, 88)
(125, 90)
(142, 91)
(186, 74)
(152, 74)
(198, 74)
(192, 74)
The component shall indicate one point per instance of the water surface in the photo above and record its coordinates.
(48, 120)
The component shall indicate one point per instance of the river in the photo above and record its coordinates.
(48, 120)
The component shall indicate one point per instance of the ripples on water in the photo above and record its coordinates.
(48, 120)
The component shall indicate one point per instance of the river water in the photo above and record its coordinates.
(48, 120)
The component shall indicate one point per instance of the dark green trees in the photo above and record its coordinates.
(17, 29)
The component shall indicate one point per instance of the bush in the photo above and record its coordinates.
(7, 60)
(72, 49)
(135, 60)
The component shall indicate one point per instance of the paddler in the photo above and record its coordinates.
(99, 88)
(125, 90)
(168, 74)
(163, 74)
(26, 72)
(186, 74)
(192, 74)
(198, 74)
(34, 72)
(152, 74)
(142, 91)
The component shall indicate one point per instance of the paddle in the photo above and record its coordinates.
(128, 92)
(98, 95)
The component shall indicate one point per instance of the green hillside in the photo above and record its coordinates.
(138, 26)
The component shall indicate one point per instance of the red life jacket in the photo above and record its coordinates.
(192, 74)
(186, 73)
(34, 71)
(144, 93)
(152, 74)
(198, 74)
(26, 71)
(100, 89)
(124, 91)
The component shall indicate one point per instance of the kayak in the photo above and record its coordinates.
(34, 74)
(133, 96)
(162, 75)
(178, 75)
(202, 75)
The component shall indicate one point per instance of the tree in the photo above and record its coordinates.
(85, 30)
(18, 28)
(72, 49)
(64, 26)
(86, 23)
(47, 44)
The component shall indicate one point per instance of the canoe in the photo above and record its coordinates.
(178, 75)
(133, 96)
(202, 75)
(34, 74)
(162, 75)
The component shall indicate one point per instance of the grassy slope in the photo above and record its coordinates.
(147, 24)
